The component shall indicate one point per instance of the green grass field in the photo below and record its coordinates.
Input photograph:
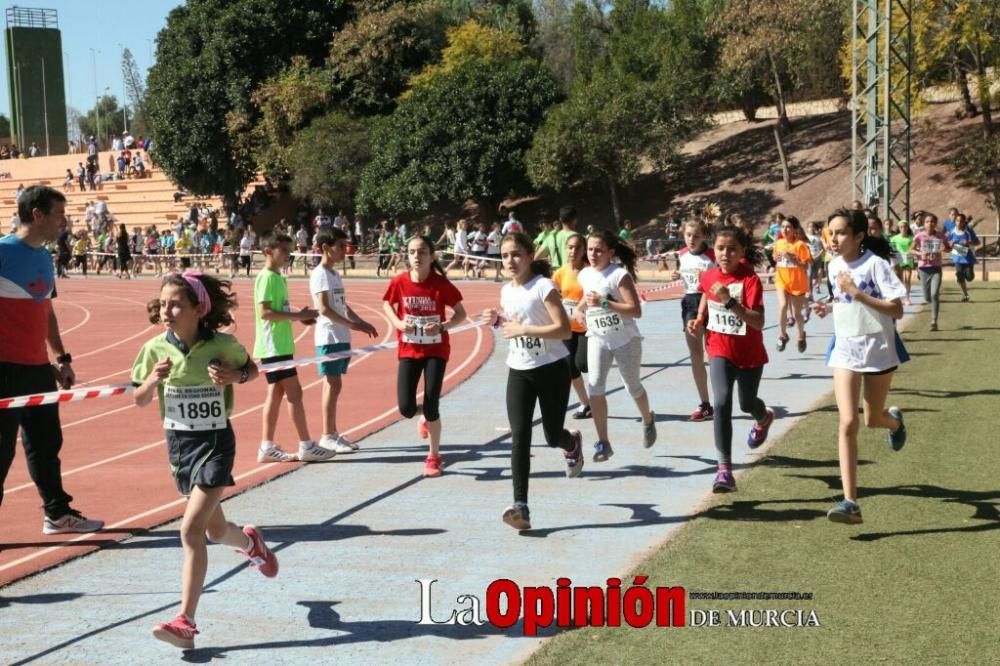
(917, 582)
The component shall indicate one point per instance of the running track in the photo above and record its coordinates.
(112, 457)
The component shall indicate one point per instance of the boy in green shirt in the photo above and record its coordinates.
(274, 343)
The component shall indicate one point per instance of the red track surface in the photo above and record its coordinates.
(113, 457)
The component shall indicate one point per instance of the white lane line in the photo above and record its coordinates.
(251, 472)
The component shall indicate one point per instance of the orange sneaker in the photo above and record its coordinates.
(179, 632)
(432, 466)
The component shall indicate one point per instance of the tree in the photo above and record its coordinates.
(637, 104)
(135, 89)
(783, 43)
(555, 38)
(211, 57)
(4, 125)
(460, 136)
(327, 158)
(286, 103)
(468, 42)
(108, 116)
(373, 57)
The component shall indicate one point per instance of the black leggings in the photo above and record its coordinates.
(41, 434)
(407, 378)
(724, 374)
(577, 359)
(549, 386)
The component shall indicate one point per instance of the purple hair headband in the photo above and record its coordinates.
(193, 278)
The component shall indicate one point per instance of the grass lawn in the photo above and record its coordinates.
(917, 582)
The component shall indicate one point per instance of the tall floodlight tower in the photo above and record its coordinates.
(881, 64)
(35, 80)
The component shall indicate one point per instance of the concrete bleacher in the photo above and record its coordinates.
(135, 202)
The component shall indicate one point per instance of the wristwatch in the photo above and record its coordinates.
(245, 374)
(65, 357)
(730, 303)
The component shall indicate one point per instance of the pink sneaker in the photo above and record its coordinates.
(260, 555)
(432, 466)
(179, 632)
(422, 428)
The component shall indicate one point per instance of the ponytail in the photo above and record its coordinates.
(626, 255)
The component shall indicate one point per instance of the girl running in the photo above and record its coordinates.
(963, 253)
(191, 370)
(865, 350)
(791, 280)
(693, 260)
(415, 303)
(569, 287)
(817, 267)
(611, 306)
(533, 322)
(930, 245)
(902, 242)
(732, 311)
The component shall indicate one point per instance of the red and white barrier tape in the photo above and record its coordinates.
(360, 351)
(662, 287)
(72, 395)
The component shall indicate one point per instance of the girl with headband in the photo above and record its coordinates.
(190, 369)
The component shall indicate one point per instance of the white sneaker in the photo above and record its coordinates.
(269, 452)
(313, 452)
(69, 523)
(337, 443)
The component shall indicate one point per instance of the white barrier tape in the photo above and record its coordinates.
(361, 351)
(662, 287)
(471, 256)
(72, 395)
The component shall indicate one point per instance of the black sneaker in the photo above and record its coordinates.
(518, 516)
(582, 413)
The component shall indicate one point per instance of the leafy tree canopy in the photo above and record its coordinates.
(461, 136)
(467, 42)
(327, 158)
(211, 57)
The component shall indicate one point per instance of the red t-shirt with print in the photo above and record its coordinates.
(422, 299)
(743, 351)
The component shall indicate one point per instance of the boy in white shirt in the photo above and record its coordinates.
(333, 331)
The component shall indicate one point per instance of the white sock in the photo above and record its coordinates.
(266, 444)
(305, 444)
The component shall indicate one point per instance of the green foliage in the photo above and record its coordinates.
(635, 106)
(793, 44)
(327, 158)
(287, 101)
(373, 57)
(112, 122)
(461, 136)
(135, 89)
(467, 42)
(211, 57)
(4, 126)
(554, 38)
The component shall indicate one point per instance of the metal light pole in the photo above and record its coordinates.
(97, 104)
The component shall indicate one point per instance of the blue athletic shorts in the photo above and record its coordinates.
(333, 368)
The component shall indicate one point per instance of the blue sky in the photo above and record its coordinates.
(106, 26)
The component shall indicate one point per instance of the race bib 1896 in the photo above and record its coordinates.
(419, 336)
(721, 320)
(193, 408)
